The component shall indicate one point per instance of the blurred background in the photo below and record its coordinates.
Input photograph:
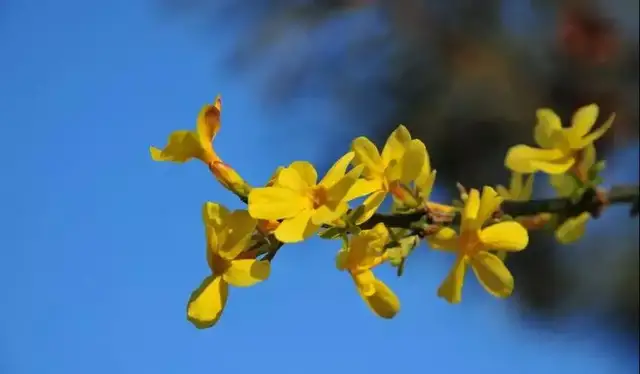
(101, 247)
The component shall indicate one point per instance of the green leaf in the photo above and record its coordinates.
(331, 233)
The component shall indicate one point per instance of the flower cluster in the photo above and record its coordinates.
(296, 204)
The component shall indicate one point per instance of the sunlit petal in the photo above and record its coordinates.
(445, 239)
(548, 124)
(367, 154)
(572, 229)
(583, 120)
(206, 304)
(492, 274)
(505, 236)
(383, 302)
(275, 203)
(413, 161)
(337, 171)
(394, 148)
(371, 205)
(296, 228)
(589, 139)
(451, 288)
(182, 146)
(245, 273)
(306, 171)
(522, 158)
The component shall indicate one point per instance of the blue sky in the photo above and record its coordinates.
(101, 247)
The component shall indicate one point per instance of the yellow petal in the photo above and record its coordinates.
(564, 184)
(588, 158)
(413, 161)
(523, 159)
(371, 205)
(367, 154)
(548, 124)
(326, 214)
(572, 229)
(589, 139)
(489, 202)
(492, 274)
(444, 239)
(342, 189)
(214, 214)
(365, 282)
(275, 203)
(306, 171)
(425, 185)
(363, 187)
(245, 273)
(503, 192)
(206, 304)
(290, 178)
(395, 146)
(505, 236)
(337, 171)
(239, 230)
(342, 259)
(383, 301)
(451, 288)
(470, 211)
(527, 189)
(208, 125)
(583, 120)
(515, 185)
(554, 167)
(296, 228)
(182, 146)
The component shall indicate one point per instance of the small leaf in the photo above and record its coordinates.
(331, 233)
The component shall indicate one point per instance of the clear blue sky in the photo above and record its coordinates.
(101, 247)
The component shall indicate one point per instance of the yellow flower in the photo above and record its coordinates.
(366, 251)
(300, 202)
(401, 162)
(560, 146)
(518, 191)
(567, 185)
(184, 145)
(474, 243)
(228, 235)
(572, 229)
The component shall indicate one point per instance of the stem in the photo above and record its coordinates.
(592, 201)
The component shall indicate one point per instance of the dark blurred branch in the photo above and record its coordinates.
(592, 201)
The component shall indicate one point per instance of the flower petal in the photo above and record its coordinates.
(365, 282)
(274, 203)
(297, 228)
(326, 214)
(290, 178)
(245, 273)
(505, 236)
(424, 184)
(564, 184)
(207, 126)
(306, 171)
(548, 124)
(337, 171)
(214, 214)
(363, 187)
(503, 192)
(206, 304)
(523, 159)
(383, 301)
(589, 139)
(470, 210)
(451, 288)
(445, 239)
(572, 229)
(342, 189)
(371, 205)
(182, 146)
(554, 167)
(367, 154)
(394, 148)
(492, 274)
(413, 161)
(239, 231)
(489, 202)
(583, 120)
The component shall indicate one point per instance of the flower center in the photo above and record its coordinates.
(319, 196)
(470, 242)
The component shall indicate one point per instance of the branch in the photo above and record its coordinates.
(592, 201)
